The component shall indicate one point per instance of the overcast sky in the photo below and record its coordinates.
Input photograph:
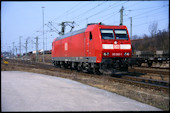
(25, 18)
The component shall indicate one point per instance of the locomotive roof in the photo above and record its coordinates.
(71, 34)
(76, 32)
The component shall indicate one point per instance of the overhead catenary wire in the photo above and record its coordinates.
(89, 10)
(138, 25)
(61, 16)
(146, 16)
(92, 16)
(113, 14)
(150, 14)
(33, 33)
(147, 12)
(100, 11)
(146, 8)
(110, 16)
(143, 13)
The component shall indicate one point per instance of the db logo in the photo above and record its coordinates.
(66, 46)
(116, 46)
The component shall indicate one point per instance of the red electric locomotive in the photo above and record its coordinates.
(98, 48)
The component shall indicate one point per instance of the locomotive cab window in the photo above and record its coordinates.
(121, 34)
(107, 33)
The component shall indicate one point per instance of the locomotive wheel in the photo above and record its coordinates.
(105, 70)
(139, 64)
(96, 71)
(57, 64)
(149, 63)
(85, 67)
(62, 64)
(74, 66)
(125, 68)
(79, 67)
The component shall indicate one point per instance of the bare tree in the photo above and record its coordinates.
(135, 37)
(153, 28)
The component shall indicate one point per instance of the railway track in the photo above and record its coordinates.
(165, 68)
(149, 70)
(127, 78)
(150, 83)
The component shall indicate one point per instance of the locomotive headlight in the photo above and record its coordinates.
(125, 46)
(107, 46)
(106, 54)
(126, 54)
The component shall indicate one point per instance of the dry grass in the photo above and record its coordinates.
(149, 96)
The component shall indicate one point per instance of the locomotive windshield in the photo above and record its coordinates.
(121, 34)
(107, 33)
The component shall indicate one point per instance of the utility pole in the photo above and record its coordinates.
(131, 27)
(46, 42)
(1, 42)
(20, 46)
(43, 31)
(13, 49)
(16, 51)
(37, 53)
(121, 15)
(26, 47)
(9, 51)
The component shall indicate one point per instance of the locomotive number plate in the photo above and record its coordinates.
(116, 54)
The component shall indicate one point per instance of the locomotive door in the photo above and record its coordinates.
(87, 44)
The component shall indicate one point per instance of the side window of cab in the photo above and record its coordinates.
(90, 36)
